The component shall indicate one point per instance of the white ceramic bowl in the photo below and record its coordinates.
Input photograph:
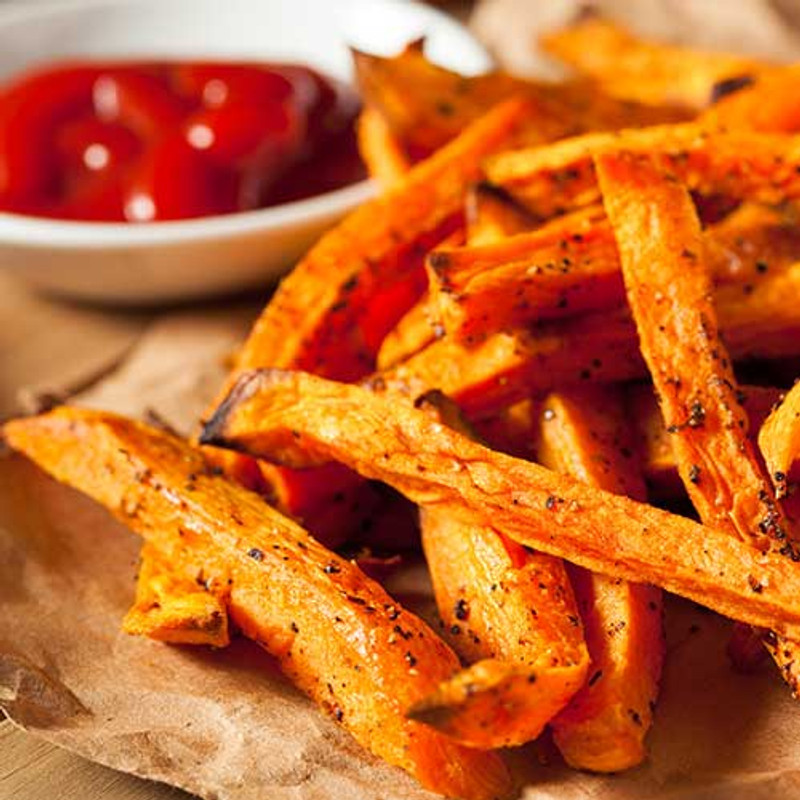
(172, 261)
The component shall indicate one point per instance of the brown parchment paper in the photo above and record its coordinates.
(225, 724)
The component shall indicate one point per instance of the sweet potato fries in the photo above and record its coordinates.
(531, 335)
(334, 632)
(302, 421)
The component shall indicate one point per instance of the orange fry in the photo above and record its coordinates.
(381, 151)
(741, 164)
(585, 434)
(491, 697)
(669, 289)
(171, 607)
(758, 319)
(628, 66)
(302, 420)
(335, 633)
(511, 614)
(571, 265)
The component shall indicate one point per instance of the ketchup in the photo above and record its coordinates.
(149, 141)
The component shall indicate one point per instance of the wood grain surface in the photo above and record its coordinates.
(31, 769)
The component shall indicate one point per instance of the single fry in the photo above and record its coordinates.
(585, 434)
(758, 319)
(302, 420)
(513, 616)
(492, 696)
(670, 294)
(669, 289)
(492, 214)
(633, 68)
(748, 165)
(425, 106)
(334, 632)
(382, 153)
(171, 607)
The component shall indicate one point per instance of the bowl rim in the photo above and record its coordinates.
(20, 228)
(23, 229)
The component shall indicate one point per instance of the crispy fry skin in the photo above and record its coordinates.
(759, 320)
(779, 441)
(560, 269)
(585, 434)
(572, 265)
(767, 102)
(629, 67)
(510, 610)
(333, 630)
(492, 214)
(655, 444)
(425, 105)
(303, 420)
(415, 331)
(417, 328)
(513, 614)
(669, 289)
(171, 607)
(739, 164)
(382, 153)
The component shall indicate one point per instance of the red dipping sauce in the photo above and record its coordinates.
(142, 142)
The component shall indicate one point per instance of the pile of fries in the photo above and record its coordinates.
(479, 338)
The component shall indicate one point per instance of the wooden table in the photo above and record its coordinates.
(31, 769)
